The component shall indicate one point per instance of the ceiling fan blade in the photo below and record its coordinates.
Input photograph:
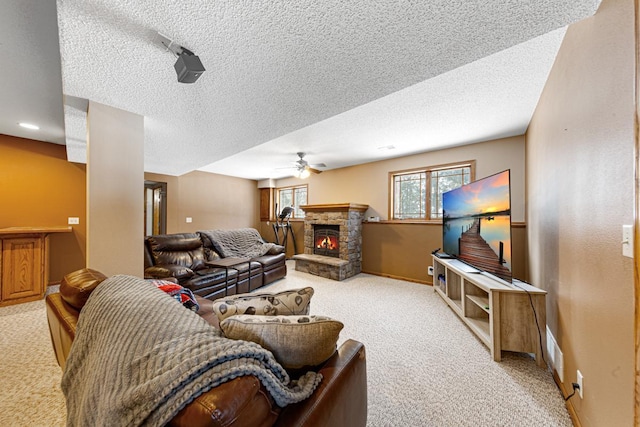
(301, 165)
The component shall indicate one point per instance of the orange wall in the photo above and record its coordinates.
(580, 191)
(39, 187)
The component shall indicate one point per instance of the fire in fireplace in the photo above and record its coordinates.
(326, 240)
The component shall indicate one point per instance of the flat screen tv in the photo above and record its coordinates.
(476, 225)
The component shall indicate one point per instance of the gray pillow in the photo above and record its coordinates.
(295, 341)
(293, 301)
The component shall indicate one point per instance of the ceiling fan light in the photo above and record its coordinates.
(304, 173)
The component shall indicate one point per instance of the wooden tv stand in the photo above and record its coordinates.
(499, 314)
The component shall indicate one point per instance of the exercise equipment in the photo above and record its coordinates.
(282, 228)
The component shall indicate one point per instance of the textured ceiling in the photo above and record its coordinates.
(335, 79)
(491, 98)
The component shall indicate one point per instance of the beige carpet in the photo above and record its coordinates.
(425, 368)
(30, 393)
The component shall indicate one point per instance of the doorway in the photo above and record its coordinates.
(155, 208)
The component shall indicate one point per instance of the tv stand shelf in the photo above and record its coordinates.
(499, 314)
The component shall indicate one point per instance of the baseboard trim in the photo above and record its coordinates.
(406, 279)
(572, 411)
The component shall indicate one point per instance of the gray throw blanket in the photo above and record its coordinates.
(238, 243)
(139, 357)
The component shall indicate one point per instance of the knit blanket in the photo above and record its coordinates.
(238, 243)
(139, 357)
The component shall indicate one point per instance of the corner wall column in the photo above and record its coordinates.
(115, 198)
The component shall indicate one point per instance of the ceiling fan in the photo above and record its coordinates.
(304, 169)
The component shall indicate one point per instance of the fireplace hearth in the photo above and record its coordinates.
(332, 240)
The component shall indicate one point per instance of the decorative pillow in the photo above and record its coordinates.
(295, 341)
(275, 250)
(76, 287)
(181, 294)
(293, 301)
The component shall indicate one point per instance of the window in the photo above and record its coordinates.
(417, 194)
(293, 196)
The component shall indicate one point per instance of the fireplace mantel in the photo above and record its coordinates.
(335, 207)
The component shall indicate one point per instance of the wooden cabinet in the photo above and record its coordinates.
(24, 269)
(504, 317)
(266, 205)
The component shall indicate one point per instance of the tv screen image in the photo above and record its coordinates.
(476, 225)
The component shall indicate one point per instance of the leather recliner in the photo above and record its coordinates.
(184, 256)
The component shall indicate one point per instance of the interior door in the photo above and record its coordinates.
(155, 208)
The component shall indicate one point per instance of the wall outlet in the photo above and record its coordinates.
(189, 219)
(627, 240)
(73, 220)
(430, 271)
(580, 381)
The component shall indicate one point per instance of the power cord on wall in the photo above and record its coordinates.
(535, 316)
(576, 387)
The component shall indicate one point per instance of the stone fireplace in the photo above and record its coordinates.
(332, 240)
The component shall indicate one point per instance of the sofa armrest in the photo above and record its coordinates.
(340, 399)
(168, 270)
(62, 319)
(242, 401)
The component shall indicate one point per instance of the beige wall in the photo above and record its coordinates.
(38, 187)
(403, 250)
(369, 183)
(580, 190)
(115, 203)
(212, 201)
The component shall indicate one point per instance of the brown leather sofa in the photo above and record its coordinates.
(339, 400)
(184, 256)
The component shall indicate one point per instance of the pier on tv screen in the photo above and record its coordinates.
(477, 224)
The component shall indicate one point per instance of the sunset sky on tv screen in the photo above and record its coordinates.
(487, 195)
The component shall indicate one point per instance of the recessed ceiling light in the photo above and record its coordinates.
(387, 147)
(29, 126)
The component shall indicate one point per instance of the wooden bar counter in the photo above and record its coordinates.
(24, 262)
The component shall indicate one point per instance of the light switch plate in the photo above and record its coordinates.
(627, 240)
(189, 219)
(73, 220)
